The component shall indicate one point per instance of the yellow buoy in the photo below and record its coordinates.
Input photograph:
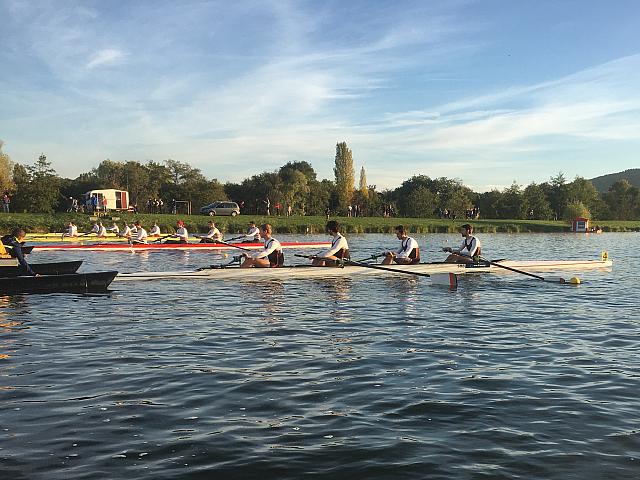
(574, 281)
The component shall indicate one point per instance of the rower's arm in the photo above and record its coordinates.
(17, 251)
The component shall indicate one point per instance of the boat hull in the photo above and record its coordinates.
(307, 271)
(96, 282)
(120, 247)
(54, 268)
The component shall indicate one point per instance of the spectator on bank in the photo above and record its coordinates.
(6, 202)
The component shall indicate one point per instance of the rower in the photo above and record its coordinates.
(155, 230)
(270, 256)
(126, 232)
(407, 254)
(339, 248)
(213, 236)
(102, 231)
(95, 228)
(72, 230)
(14, 240)
(182, 236)
(253, 233)
(141, 234)
(114, 228)
(469, 250)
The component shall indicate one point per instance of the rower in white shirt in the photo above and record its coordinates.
(114, 228)
(469, 248)
(181, 235)
(407, 254)
(126, 232)
(155, 230)
(102, 231)
(141, 234)
(95, 228)
(270, 256)
(213, 235)
(72, 230)
(253, 234)
(339, 248)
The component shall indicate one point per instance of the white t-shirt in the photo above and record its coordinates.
(469, 246)
(270, 246)
(406, 247)
(338, 243)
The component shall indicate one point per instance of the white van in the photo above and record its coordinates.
(115, 199)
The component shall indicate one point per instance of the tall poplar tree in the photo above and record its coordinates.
(364, 189)
(6, 171)
(345, 175)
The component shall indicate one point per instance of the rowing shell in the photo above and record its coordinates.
(57, 237)
(119, 247)
(307, 271)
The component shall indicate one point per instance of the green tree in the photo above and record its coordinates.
(536, 205)
(37, 187)
(364, 188)
(575, 208)
(583, 191)
(345, 176)
(6, 172)
(511, 204)
(421, 202)
(304, 167)
(623, 200)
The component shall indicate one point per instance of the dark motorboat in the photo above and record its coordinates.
(55, 268)
(96, 282)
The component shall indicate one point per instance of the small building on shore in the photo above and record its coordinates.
(108, 199)
(580, 225)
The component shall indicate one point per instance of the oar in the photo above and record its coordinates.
(574, 280)
(371, 257)
(159, 239)
(235, 238)
(448, 279)
(308, 257)
(234, 246)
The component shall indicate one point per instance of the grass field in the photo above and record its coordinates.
(41, 223)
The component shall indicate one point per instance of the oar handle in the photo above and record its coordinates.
(309, 257)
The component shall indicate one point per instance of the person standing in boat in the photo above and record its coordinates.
(72, 230)
(253, 234)
(339, 248)
(270, 256)
(213, 235)
(141, 234)
(469, 248)
(15, 240)
(407, 254)
(181, 235)
(155, 230)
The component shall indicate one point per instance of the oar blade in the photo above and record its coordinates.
(449, 280)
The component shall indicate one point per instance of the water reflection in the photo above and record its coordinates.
(334, 294)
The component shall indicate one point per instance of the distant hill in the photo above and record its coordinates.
(603, 182)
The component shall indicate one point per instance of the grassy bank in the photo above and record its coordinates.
(39, 223)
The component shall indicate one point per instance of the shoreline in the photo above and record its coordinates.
(48, 223)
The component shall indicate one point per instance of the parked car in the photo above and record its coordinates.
(221, 208)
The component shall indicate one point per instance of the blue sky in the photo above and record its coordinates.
(489, 92)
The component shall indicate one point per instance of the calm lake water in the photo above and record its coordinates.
(507, 377)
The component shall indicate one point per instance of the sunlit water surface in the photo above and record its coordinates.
(507, 377)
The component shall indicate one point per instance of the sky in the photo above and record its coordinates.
(488, 92)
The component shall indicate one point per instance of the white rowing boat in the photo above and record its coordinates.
(307, 271)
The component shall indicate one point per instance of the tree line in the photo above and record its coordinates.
(38, 188)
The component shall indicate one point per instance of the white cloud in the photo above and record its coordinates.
(105, 57)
